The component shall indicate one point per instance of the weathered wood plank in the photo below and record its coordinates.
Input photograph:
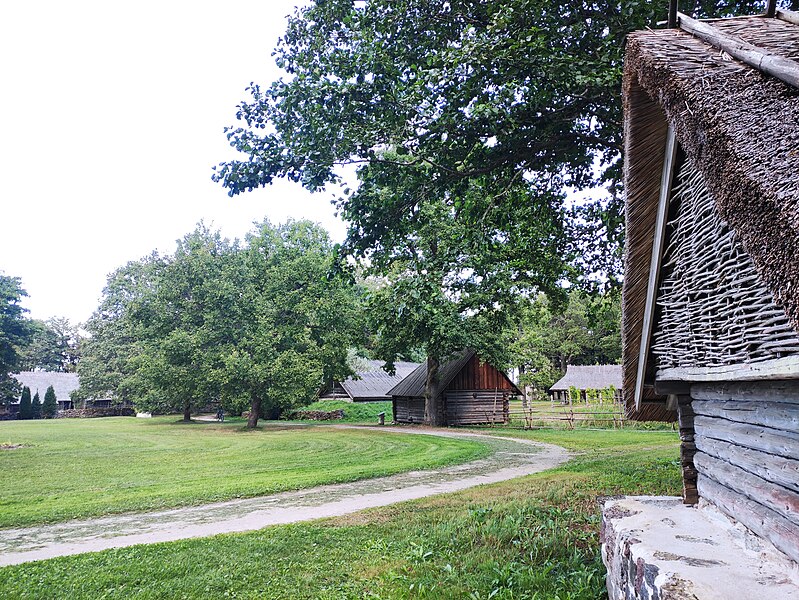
(686, 417)
(661, 220)
(778, 368)
(788, 16)
(771, 391)
(760, 519)
(781, 500)
(765, 439)
(782, 68)
(774, 415)
(777, 469)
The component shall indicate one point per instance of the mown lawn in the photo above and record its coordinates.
(85, 467)
(534, 537)
(354, 412)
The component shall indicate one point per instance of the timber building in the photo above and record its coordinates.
(370, 384)
(711, 306)
(584, 378)
(472, 392)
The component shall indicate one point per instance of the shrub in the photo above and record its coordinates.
(36, 407)
(50, 406)
(25, 407)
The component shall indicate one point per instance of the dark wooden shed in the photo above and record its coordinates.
(711, 288)
(472, 393)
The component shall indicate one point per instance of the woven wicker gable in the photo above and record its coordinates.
(713, 309)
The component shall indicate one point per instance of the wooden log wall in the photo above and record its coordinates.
(476, 407)
(747, 456)
(409, 410)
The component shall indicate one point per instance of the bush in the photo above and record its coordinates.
(36, 407)
(50, 406)
(25, 407)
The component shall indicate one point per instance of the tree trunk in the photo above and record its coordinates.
(433, 415)
(186, 411)
(255, 411)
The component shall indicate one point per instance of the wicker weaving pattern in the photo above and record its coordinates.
(713, 309)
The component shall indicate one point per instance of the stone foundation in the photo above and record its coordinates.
(657, 548)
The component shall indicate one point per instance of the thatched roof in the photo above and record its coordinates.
(374, 383)
(593, 377)
(741, 128)
(413, 386)
(63, 383)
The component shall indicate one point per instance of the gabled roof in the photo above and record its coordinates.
(63, 383)
(740, 127)
(593, 377)
(375, 382)
(413, 386)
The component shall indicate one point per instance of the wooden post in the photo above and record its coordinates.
(771, 8)
(672, 14)
(687, 449)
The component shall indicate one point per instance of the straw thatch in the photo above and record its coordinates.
(741, 130)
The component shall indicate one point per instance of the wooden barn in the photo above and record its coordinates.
(370, 384)
(711, 306)
(472, 393)
(584, 378)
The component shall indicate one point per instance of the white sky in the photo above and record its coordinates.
(111, 117)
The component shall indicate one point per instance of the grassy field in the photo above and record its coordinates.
(354, 412)
(534, 538)
(84, 467)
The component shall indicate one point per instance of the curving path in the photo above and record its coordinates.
(509, 458)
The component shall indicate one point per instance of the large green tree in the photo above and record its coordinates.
(258, 325)
(55, 346)
(468, 122)
(295, 319)
(522, 96)
(15, 333)
(115, 338)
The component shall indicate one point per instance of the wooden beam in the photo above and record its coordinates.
(778, 368)
(784, 69)
(771, 8)
(672, 22)
(657, 253)
(788, 16)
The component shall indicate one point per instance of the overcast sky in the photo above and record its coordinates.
(111, 117)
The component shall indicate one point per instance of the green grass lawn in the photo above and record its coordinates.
(85, 467)
(354, 412)
(535, 537)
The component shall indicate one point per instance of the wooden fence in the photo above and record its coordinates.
(569, 416)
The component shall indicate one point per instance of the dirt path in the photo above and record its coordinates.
(509, 458)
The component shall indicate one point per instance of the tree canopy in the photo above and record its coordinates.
(15, 332)
(54, 346)
(258, 325)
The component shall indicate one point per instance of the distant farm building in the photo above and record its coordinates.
(711, 307)
(38, 381)
(471, 393)
(584, 378)
(371, 384)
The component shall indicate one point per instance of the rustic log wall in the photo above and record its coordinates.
(747, 456)
(409, 410)
(476, 407)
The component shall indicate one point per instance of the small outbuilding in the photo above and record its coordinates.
(711, 307)
(472, 393)
(584, 378)
(371, 384)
